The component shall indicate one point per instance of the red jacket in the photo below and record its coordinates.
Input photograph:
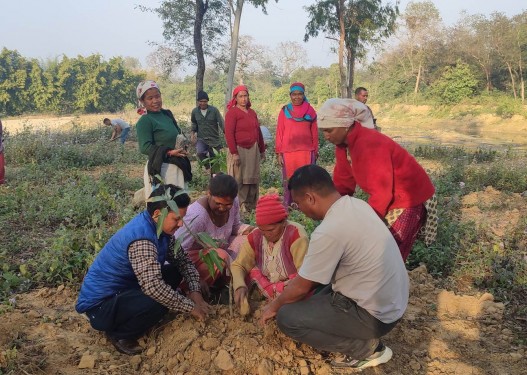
(242, 129)
(294, 136)
(383, 169)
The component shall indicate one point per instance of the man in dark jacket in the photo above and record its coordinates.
(206, 123)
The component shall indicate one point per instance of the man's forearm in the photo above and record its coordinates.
(295, 291)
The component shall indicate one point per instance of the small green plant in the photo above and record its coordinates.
(217, 163)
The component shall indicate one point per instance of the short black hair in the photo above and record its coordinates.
(359, 89)
(223, 185)
(182, 200)
(311, 177)
(106, 119)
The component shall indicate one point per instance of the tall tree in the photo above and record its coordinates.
(421, 29)
(236, 8)
(191, 28)
(471, 38)
(289, 57)
(356, 25)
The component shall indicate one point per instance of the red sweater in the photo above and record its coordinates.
(293, 136)
(383, 169)
(242, 129)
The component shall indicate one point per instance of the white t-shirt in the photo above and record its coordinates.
(117, 121)
(355, 251)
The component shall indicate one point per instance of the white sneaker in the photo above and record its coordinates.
(379, 357)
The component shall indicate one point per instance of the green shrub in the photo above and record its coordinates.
(455, 84)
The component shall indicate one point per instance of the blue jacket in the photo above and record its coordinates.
(111, 272)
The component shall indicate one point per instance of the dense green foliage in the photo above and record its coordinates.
(455, 84)
(413, 66)
(81, 84)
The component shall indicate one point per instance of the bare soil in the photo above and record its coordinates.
(441, 333)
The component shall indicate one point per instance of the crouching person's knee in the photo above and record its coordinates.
(287, 321)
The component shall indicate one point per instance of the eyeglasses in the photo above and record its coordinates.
(294, 206)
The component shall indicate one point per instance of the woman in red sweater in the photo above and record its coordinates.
(246, 147)
(398, 187)
(296, 135)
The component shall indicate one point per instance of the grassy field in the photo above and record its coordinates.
(68, 191)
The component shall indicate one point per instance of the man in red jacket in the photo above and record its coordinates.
(399, 189)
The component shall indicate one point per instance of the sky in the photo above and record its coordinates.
(51, 28)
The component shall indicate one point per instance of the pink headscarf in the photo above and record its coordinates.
(235, 92)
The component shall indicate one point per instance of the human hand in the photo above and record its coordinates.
(198, 313)
(202, 308)
(239, 295)
(280, 159)
(262, 156)
(268, 313)
(194, 138)
(237, 160)
(179, 152)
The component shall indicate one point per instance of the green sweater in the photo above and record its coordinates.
(156, 129)
(208, 126)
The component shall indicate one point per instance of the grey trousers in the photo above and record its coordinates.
(332, 322)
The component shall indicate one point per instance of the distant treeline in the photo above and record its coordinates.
(480, 57)
(66, 85)
(428, 60)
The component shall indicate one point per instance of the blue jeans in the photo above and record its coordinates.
(124, 135)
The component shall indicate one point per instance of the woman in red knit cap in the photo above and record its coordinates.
(399, 189)
(296, 135)
(246, 147)
(272, 253)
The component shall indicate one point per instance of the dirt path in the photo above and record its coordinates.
(441, 333)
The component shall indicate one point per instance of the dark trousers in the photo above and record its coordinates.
(129, 314)
(205, 151)
(332, 322)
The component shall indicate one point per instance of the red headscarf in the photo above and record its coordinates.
(270, 210)
(235, 92)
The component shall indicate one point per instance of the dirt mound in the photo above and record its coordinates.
(441, 333)
(491, 209)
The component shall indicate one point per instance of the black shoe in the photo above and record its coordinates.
(126, 346)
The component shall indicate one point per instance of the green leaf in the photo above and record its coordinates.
(173, 206)
(158, 198)
(177, 244)
(207, 240)
(208, 262)
(160, 220)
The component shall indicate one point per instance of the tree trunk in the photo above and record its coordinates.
(512, 80)
(351, 73)
(342, 70)
(234, 49)
(201, 8)
(418, 79)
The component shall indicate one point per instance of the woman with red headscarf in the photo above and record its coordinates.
(296, 135)
(246, 147)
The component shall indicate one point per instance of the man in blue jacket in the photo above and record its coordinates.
(133, 280)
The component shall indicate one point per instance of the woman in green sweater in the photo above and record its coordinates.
(157, 133)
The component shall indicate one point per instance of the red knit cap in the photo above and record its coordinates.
(270, 210)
